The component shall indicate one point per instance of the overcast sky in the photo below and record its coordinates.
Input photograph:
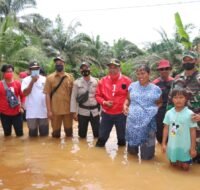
(137, 22)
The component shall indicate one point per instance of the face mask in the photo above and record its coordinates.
(35, 73)
(85, 73)
(188, 66)
(8, 76)
(59, 68)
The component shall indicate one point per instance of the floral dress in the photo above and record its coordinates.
(142, 111)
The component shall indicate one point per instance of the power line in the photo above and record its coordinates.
(137, 6)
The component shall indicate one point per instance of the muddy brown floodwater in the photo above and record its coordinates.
(76, 164)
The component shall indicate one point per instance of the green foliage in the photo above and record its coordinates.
(127, 68)
(169, 49)
(13, 7)
(66, 43)
(183, 36)
(33, 37)
(22, 57)
(11, 39)
(124, 50)
(96, 72)
(98, 52)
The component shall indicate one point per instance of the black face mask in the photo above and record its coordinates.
(85, 73)
(59, 68)
(188, 66)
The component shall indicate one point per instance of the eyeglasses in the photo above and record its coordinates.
(164, 69)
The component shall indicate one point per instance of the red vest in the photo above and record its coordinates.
(115, 91)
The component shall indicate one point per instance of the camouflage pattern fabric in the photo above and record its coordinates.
(192, 86)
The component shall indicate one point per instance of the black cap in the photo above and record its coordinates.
(58, 58)
(84, 64)
(33, 65)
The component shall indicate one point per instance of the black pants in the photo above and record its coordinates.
(24, 115)
(106, 125)
(147, 149)
(83, 122)
(159, 121)
(7, 122)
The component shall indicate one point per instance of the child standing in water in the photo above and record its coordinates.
(180, 131)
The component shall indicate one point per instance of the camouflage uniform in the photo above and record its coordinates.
(192, 86)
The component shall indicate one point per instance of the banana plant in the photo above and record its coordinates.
(183, 36)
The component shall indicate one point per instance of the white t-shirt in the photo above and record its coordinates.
(35, 102)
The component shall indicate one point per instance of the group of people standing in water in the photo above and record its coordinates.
(166, 109)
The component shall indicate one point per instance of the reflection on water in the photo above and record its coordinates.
(71, 164)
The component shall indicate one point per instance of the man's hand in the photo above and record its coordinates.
(196, 117)
(49, 114)
(34, 78)
(163, 147)
(75, 116)
(21, 109)
(125, 109)
(108, 103)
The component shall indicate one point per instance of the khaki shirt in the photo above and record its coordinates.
(60, 103)
(81, 86)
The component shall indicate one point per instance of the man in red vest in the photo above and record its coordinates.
(112, 90)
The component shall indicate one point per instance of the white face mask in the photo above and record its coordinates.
(35, 73)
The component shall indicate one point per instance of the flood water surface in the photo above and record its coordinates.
(73, 163)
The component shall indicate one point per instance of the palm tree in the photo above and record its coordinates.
(67, 43)
(167, 48)
(18, 48)
(124, 50)
(35, 24)
(13, 7)
(100, 52)
(11, 39)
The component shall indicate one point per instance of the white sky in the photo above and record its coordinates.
(138, 25)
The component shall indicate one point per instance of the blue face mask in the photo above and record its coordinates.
(35, 73)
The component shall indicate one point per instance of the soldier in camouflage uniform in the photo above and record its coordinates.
(190, 80)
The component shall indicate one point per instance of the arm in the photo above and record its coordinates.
(47, 92)
(71, 83)
(126, 105)
(22, 99)
(165, 136)
(196, 117)
(193, 151)
(48, 105)
(98, 94)
(169, 102)
(73, 102)
(28, 90)
(159, 102)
